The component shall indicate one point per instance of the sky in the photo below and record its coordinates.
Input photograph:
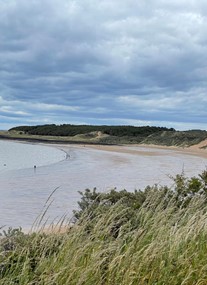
(103, 62)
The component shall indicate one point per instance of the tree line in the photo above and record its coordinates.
(72, 130)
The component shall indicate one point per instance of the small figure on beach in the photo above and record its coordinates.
(35, 166)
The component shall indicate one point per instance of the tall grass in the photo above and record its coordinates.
(159, 243)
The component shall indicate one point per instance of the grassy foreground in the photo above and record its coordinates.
(157, 236)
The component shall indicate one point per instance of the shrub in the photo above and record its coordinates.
(157, 236)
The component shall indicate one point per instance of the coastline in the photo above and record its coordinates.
(115, 166)
(142, 149)
(199, 150)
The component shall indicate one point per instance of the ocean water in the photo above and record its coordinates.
(24, 155)
(67, 170)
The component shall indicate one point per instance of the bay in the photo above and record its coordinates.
(23, 155)
(24, 191)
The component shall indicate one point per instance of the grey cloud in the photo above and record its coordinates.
(89, 54)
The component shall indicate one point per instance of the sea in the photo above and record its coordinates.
(44, 181)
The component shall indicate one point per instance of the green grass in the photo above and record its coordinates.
(163, 241)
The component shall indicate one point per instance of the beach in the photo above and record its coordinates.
(130, 167)
(195, 150)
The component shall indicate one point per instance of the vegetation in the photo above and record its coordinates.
(177, 138)
(72, 130)
(157, 237)
(106, 134)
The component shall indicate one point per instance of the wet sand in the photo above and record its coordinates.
(142, 149)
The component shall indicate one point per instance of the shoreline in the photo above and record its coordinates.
(199, 150)
(128, 150)
(142, 149)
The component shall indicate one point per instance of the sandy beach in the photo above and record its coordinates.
(24, 191)
(141, 149)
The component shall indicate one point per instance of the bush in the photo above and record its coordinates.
(157, 236)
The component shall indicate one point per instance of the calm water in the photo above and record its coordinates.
(24, 191)
(24, 155)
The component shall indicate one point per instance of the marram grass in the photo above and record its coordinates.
(159, 243)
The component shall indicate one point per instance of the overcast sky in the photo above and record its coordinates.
(119, 62)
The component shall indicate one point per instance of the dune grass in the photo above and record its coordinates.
(163, 241)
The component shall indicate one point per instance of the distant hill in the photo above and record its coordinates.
(108, 134)
(73, 130)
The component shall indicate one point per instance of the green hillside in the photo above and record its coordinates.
(107, 134)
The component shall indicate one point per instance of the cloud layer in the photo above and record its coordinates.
(103, 62)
